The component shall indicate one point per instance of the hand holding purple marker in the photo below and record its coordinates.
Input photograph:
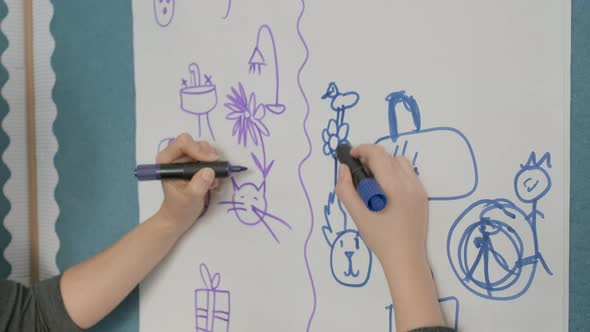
(184, 171)
(367, 187)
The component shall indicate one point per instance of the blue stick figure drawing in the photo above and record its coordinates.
(493, 245)
(350, 258)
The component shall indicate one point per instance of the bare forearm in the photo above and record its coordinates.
(413, 291)
(93, 288)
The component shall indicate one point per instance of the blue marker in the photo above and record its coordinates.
(367, 187)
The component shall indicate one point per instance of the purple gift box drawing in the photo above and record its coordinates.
(212, 306)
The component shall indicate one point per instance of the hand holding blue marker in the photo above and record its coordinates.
(367, 187)
(185, 171)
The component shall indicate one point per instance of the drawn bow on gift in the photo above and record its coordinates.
(210, 282)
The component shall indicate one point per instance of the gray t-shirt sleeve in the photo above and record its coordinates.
(36, 309)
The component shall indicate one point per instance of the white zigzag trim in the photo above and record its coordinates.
(47, 145)
(15, 156)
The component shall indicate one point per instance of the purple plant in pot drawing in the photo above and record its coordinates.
(249, 203)
(164, 12)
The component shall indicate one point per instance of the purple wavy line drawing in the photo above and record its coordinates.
(228, 10)
(299, 169)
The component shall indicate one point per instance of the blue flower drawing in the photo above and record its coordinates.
(333, 135)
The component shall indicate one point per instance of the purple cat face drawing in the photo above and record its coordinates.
(350, 259)
(249, 203)
(164, 11)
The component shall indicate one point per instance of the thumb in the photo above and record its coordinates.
(349, 196)
(200, 183)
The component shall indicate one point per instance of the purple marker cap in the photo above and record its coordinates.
(372, 194)
(148, 172)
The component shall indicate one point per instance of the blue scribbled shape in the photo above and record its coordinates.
(5, 237)
(411, 106)
(488, 254)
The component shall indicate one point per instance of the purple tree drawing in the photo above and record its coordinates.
(212, 305)
(198, 98)
(257, 61)
(249, 202)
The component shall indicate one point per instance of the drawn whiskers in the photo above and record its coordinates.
(231, 203)
(263, 215)
(235, 209)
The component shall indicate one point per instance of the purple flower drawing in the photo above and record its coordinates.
(247, 115)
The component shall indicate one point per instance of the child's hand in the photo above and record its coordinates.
(184, 201)
(397, 233)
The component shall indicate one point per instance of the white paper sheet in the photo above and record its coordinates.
(484, 117)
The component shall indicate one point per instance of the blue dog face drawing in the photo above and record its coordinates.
(350, 259)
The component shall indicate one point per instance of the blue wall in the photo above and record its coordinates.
(580, 169)
(95, 127)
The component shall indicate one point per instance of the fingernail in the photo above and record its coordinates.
(213, 155)
(208, 174)
(340, 173)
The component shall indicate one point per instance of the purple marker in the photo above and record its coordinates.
(184, 171)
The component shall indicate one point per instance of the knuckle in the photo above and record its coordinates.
(197, 147)
(379, 148)
(200, 189)
(184, 138)
(204, 144)
(421, 195)
(402, 159)
(340, 190)
(379, 151)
